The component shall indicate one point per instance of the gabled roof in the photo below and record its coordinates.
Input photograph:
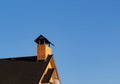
(23, 70)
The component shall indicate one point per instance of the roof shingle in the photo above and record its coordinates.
(24, 70)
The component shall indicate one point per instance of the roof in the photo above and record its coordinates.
(41, 39)
(48, 75)
(23, 70)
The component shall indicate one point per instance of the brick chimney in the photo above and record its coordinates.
(43, 47)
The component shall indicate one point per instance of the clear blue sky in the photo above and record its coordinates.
(86, 34)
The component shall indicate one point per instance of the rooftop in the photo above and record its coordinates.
(23, 70)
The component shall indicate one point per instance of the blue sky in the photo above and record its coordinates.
(86, 34)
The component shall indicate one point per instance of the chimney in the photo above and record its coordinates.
(43, 47)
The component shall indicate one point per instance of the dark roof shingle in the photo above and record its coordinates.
(22, 70)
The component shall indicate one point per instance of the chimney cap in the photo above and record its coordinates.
(41, 39)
